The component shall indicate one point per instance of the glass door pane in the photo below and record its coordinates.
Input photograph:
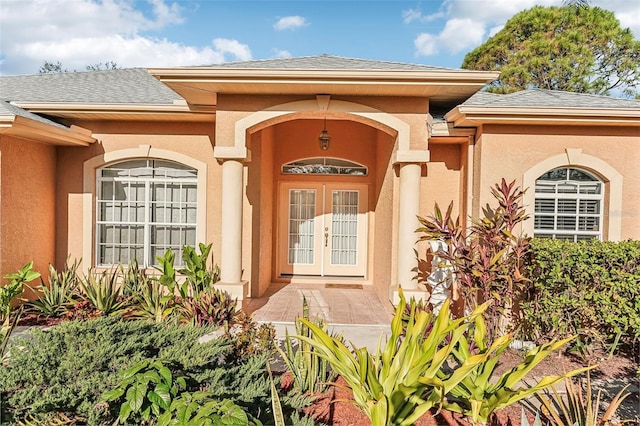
(344, 227)
(301, 238)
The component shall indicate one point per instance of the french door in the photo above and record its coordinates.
(322, 229)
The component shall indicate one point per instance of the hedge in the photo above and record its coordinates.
(589, 288)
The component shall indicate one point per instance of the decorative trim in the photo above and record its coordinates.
(357, 110)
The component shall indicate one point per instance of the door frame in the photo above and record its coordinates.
(322, 209)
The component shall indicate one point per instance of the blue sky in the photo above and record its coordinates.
(165, 33)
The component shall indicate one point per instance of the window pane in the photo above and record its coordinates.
(135, 195)
(557, 174)
(590, 206)
(544, 222)
(324, 166)
(576, 206)
(588, 224)
(566, 223)
(544, 205)
(567, 206)
(590, 188)
(579, 175)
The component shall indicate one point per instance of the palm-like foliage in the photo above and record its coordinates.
(55, 297)
(478, 396)
(399, 384)
(103, 291)
(311, 373)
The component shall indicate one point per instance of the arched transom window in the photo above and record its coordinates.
(143, 208)
(324, 166)
(568, 205)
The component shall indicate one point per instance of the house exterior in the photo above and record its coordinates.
(114, 165)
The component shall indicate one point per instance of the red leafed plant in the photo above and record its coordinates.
(489, 258)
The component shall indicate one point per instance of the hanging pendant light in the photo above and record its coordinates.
(324, 137)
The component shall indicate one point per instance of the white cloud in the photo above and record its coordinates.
(411, 15)
(83, 32)
(456, 36)
(426, 44)
(290, 23)
(237, 50)
(470, 23)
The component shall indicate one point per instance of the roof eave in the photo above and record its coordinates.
(30, 129)
(204, 73)
(466, 116)
(202, 85)
(118, 111)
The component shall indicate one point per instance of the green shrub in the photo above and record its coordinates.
(68, 367)
(589, 288)
(144, 391)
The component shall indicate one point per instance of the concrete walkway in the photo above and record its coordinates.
(354, 311)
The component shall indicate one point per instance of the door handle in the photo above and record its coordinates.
(326, 237)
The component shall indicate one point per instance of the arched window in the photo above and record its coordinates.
(568, 205)
(324, 166)
(143, 208)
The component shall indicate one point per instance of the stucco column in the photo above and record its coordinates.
(410, 165)
(231, 226)
(408, 209)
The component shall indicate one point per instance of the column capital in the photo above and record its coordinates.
(411, 156)
(230, 152)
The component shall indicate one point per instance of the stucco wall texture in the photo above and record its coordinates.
(508, 151)
(192, 140)
(27, 212)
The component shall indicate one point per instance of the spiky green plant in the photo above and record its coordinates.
(579, 408)
(54, 297)
(479, 395)
(103, 291)
(153, 302)
(400, 383)
(311, 373)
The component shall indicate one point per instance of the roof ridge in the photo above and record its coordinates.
(352, 60)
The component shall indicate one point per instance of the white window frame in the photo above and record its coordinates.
(147, 203)
(580, 195)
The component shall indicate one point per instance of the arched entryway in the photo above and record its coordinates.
(317, 214)
(263, 141)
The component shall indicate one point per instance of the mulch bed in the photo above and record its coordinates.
(333, 407)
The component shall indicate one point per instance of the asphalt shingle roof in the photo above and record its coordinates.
(7, 108)
(121, 86)
(328, 62)
(550, 99)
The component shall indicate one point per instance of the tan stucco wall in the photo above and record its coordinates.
(384, 261)
(193, 140)
(443, 183)
(509, 151)
(27, 212)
